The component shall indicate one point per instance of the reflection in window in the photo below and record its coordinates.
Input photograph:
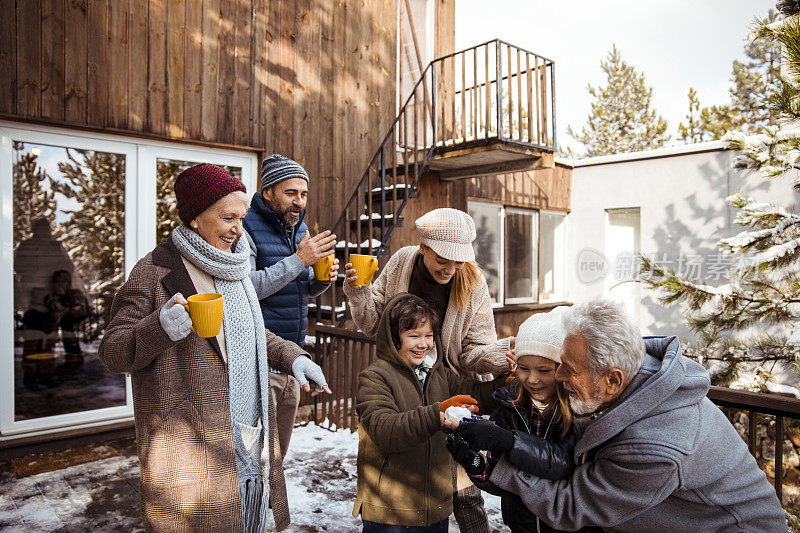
(69, 251)
(489, 226)
(521, 243)
(167, 171)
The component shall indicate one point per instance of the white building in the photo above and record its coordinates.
(669, 204)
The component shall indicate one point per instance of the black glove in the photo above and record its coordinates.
(472, 461)
(481, 434)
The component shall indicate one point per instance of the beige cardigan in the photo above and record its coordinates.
(468, 335)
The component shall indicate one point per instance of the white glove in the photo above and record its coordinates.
(175, 319)
(304, 369)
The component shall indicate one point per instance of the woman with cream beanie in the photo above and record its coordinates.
(442, 271)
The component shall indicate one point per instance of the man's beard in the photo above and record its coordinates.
(584, 407)
(581, 407)
(287, 217)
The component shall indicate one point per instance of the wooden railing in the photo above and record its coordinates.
(491, 92)
(343, 353)
(760, 406)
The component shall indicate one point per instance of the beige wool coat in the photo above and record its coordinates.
(471, 346)
(181, 409)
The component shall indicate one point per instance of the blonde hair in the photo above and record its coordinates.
(465, 280)
(558, 409)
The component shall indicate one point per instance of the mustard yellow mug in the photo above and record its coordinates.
(322, 268)
(205, 310)
(365, 266)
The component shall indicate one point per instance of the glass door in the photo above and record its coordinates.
(67, 242)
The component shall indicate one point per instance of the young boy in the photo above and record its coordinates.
(405, 480)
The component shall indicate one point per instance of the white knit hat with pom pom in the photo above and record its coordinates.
(449, 233)
(542, 334)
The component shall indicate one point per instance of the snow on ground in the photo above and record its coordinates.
(102, 496)
(320, 471)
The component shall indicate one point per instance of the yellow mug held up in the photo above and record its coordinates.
(205, 310)
(322, 268)
(365, 266)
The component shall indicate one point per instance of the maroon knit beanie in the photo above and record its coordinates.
(199, 187)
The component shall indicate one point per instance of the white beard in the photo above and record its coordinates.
(580, 407)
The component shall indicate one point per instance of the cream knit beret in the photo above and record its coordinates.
(448, 232)
(542, 334)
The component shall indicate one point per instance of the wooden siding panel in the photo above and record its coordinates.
(193, 81)
(75, 69)
(241, 93)
(8, 56)
(29, 59)
(210, 71)
(272, 128)
(97, 57)
(118, 65)
(53, 12)
(227, 71)
(137, 70)
(284, 131)
(176, 74)
(157, 67)
(258, 77)
(326, 66)
(303, 100)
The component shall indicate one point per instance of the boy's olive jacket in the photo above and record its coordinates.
(404, 470)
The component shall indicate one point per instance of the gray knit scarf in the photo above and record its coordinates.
(248, 373)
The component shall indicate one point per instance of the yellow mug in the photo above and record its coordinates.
(322, 268)
(205, 310)
(365, 266)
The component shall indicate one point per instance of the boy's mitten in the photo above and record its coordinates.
(481, 434)
(461, 400)
(472, 461)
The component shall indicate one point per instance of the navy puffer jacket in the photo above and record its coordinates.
(286, 311)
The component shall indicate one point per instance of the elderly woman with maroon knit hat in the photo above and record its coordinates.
(201, 404)
(443, 272)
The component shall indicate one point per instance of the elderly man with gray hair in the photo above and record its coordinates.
(653, 453)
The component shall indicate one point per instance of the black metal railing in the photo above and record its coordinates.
(489, 92)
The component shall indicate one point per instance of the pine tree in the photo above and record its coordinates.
(691, 132)
(31, 199)
(754, 83)
(752, 315)
(621, 119)
(94, 233)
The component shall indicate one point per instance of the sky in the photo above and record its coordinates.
(677, 45)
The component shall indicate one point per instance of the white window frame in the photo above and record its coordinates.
(504, 210)
(560, 295)
(534, 213)
(140, 239)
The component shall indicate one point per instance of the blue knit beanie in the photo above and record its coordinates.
(277, 168)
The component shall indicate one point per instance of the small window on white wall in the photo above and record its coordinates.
(521, 265)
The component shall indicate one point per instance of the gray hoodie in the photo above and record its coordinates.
(662, 459)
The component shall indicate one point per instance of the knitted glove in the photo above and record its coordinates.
(175, 319)
(305, 370)
(481, 434)
(472, 461)
(461, 400)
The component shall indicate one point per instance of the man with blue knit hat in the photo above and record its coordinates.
(281, 247)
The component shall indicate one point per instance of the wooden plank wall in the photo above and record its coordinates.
(311, 79)
(548, 188)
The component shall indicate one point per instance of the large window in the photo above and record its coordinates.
(521, 252)
(81, 212)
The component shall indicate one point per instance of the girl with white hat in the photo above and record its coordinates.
(531, 428)
(442, 271)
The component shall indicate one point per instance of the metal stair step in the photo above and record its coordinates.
(375, 221)
(402, 191)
